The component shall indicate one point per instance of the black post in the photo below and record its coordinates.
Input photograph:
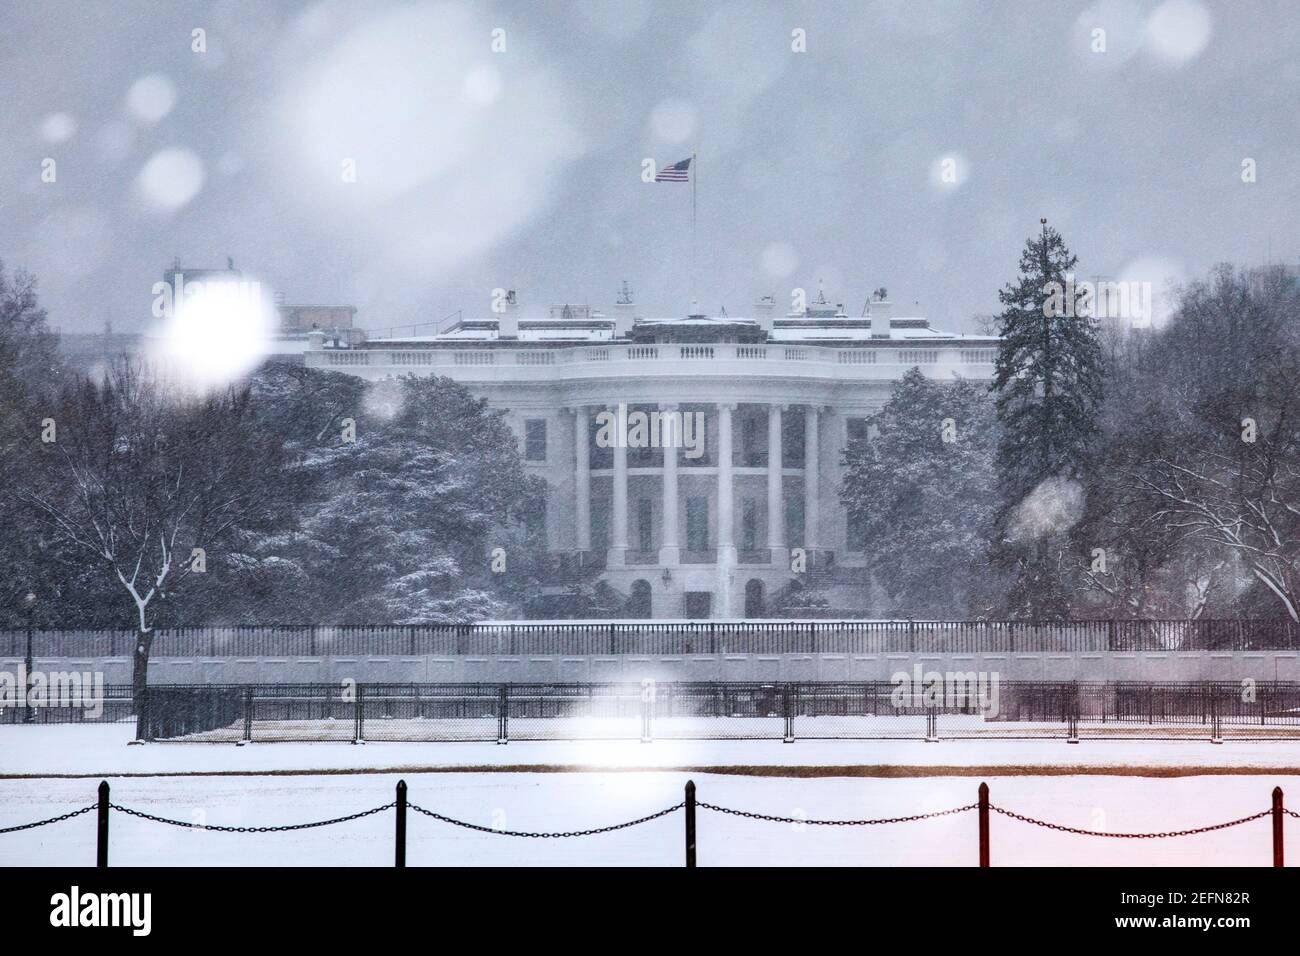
(503, 714)
(28, 716)
(690, 824)
(400, 858)
(101, 836)
(984, 824)
(1277, 826)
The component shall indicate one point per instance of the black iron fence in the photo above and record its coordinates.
(962, 709)
(591, 638)
(113, 706)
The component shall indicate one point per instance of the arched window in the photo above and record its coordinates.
(754, 598)
(638, 604)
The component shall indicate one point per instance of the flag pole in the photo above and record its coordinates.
(695, 175)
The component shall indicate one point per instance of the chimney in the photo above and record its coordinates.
(624, 312)
(765, 313)
(508, 321)
(880, 309)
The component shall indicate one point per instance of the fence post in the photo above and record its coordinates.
(1072, 717)
(1277, 826)
(400, 847)
(503, 714)
(101, 833)
(690, 824)
(647, 709)
(787, 711)
(1216, 728)
(359, 716)
(984, 824)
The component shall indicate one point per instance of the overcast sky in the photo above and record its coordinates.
(521, 169)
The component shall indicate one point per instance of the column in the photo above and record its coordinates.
(775, 489)
(618, 528)
(582, 477)
(811, 478)
(669, 549)
(726, 510)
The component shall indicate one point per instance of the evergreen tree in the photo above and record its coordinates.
(1048, 383)
(403, 490)
(30, 375)
(920, 492)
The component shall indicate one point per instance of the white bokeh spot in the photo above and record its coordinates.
(1178, 30)
(170, 179)
(58, 128)
(779, 260)
(151, 98)
(216, 333)
(674, 121)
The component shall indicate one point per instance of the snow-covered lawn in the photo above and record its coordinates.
(565, 801)
(622, 780)
(102, 749)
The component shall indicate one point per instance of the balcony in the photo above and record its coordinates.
(489, 363)
(705, 556)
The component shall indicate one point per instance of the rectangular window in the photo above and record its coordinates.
(859, 429)
(749, 524)
(645, 524)
(697, 524)
(857, 533)
(794, 520)
(792, 436)
(753, 448)
(535, 525)
(535, 439)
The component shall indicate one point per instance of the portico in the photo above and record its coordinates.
(725, 524)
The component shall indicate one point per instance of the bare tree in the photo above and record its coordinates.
(149, 486)
(1223, 469)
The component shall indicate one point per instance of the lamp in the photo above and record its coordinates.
(29, 603)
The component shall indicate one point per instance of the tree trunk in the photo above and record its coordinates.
(140, 681)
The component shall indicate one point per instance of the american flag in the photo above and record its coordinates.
(676, 173)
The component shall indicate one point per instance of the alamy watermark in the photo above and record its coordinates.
(1129, 301)
(81, 689)
(951, 689)
(655, 429)
(221, 293)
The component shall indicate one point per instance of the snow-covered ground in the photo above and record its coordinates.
(565, 801)
(620, 780)
(102, 749)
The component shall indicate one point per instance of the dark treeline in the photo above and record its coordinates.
(1108, 472)
(298, 495)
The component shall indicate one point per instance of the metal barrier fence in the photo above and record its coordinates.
(500, 713)
(750, 637)
(103, 805)
(116, 706)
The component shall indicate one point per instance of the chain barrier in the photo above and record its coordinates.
(1132, 836)
(281, 829)
(746, 814)
(41, 823)
(835, 823)
(552, 835)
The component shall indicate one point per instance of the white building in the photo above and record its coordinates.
(722, 530)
